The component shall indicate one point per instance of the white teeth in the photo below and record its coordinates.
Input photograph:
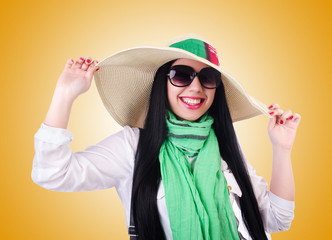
(191, 101)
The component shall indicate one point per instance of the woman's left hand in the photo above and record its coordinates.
(282, 127)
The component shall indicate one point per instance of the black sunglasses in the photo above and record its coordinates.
(182, 76)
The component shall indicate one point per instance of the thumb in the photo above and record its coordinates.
(272, 123)
(92, 68)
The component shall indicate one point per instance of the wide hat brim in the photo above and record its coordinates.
(124, 81)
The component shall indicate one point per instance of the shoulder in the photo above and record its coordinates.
(131, 132)
(131, 135)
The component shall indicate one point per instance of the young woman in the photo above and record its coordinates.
(177, 165)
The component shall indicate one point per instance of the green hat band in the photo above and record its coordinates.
(199, 48)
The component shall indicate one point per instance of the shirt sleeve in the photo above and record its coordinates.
(104, 165)
(277, 213)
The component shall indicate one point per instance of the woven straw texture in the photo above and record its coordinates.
(125, 78)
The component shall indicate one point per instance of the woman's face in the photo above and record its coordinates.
(190, 102)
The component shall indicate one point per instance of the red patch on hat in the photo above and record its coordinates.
(211, 52)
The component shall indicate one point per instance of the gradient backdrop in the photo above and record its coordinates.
(280, 51)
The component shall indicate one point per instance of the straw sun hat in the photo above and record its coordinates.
(124, 80)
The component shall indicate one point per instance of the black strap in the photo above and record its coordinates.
(131, 229)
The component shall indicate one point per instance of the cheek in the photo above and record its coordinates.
(171, 93)
(211, 95)
(168, 93)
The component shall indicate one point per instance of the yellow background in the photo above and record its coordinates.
(280, 51)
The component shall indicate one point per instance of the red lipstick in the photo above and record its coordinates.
(192, 107)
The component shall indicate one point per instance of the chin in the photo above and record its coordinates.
(190, 118)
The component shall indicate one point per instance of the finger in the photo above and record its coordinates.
(275, 118)
(86, 63)
(69, 63)
(276, 113)
(93, 65)
(274, 106)
(294, 116)
(290, 117)
(272, 122)
(284, 116)
(297, 117)
(79, 62)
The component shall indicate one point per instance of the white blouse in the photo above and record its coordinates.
(110, 163)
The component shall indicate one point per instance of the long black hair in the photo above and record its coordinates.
(147, 175)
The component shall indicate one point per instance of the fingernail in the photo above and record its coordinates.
(271, 106)
(291, 117)
(97, 69)
(281, 122)
(97, 62)
(82, 58)
(88, 61)
(271, 113)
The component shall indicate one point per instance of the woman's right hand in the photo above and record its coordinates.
(76, 78)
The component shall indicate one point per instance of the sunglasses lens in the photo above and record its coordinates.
(180, 75)
(209, 77)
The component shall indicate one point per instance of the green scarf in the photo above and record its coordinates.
(197, 202)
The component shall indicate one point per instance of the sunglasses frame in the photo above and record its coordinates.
(192, 77)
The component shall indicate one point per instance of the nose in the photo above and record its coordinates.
(196, 85)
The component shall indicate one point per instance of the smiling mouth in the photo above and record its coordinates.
(192, 101)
